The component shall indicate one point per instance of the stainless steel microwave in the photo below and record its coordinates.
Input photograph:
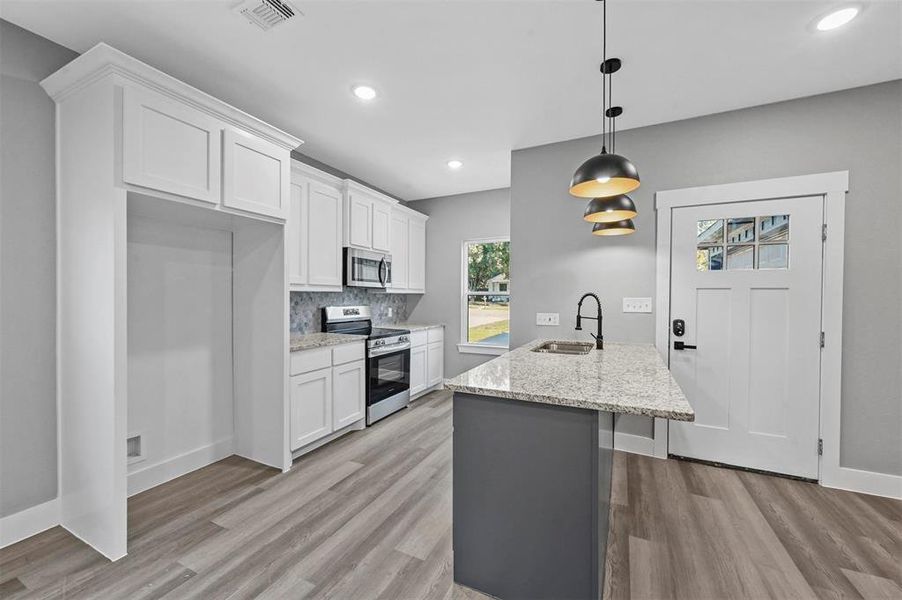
(365, 268)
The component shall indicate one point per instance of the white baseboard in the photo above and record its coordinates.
(864, 482)
(28, 522)
(154, 475)
(636, 444)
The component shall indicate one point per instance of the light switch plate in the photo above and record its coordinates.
(637, 305)
(548, 319)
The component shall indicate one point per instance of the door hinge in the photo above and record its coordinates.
(824, 233)
(822, 339)
(820, 447)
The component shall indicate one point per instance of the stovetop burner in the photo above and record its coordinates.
(356, 320)
(381, 332)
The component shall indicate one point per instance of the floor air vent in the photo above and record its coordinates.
(266, 14)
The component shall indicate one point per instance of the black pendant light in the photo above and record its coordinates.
(605, 210)
(605, 174)
(624, 227)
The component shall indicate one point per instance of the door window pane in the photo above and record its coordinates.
(710, 232)
(740, 231)
(740, 257)
(709, 258)
(773, 228)
(773, 256)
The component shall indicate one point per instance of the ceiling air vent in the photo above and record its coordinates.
(266, 14)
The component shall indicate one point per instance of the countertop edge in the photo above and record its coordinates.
(320, 340)
(561, 401)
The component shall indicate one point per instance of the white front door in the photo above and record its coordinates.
(746, 285)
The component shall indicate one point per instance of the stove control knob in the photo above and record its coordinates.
(403, 338)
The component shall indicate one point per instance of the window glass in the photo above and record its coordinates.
(773, 256)
(488, 293)
(740, 257)
(773, 228)
(740, 231)
(710, 232)
(709, 258)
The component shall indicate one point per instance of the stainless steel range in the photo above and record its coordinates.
(387, 359)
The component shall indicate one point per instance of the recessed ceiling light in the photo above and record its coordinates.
(455, 164)
(837, 18)
(364, 92)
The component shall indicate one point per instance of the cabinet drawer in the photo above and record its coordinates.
(305, 361)
(347, 353)
(418, 338)
(436, 334)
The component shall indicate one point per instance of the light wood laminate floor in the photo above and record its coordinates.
(369, 516)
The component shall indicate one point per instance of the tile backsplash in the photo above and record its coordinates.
(306, 307)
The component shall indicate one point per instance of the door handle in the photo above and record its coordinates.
(381, 276)
(683, 346)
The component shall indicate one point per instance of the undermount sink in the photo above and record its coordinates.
(564, 348)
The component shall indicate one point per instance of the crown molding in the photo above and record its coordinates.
(103, 60)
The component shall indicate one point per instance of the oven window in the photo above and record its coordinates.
(388, 375)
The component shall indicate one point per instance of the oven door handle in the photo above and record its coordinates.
(383, 350)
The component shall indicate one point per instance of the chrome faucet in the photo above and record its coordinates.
(599, 339)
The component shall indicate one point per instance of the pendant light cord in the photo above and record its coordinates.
(604, 59)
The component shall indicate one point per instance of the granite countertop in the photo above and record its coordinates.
(412, 326)
(622, 378)
(306, 341)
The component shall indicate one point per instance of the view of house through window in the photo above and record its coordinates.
(488, 293)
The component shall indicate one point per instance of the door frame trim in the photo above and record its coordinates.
(832, 188)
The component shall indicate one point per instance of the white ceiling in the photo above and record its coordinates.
(475, 79)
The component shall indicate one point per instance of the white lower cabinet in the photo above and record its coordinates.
(427, 359)
(348, 394)
(417, 370)
(328, 392)
(311, 407)
(434, 363)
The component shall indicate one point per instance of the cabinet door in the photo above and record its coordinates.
(400, 251)
(381, 226)
(311, 407)
(256, 175)
(360, 220)
(416, 276)
(417, 370)
(348, 394)
(295, 235)
(169, 146)
(324, 235)
(434, 363)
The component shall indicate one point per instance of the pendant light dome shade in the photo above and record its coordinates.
(624, 227)
(604, 175)
(605, 210)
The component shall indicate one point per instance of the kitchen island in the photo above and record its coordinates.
(532, 458)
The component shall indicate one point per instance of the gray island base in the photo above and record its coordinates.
(531, 497)
(532, 463)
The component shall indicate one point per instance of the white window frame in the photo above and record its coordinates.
(464, 346)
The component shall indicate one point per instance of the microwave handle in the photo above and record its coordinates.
(382, 269)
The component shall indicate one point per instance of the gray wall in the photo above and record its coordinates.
(27, 270)
(453, 219)
(555, 259)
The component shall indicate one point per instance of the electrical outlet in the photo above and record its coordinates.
(390, 311)
(549, 319)
(637, 305)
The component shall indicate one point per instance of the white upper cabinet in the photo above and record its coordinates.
(400, 249)
(313, 230)
(170, 146)
(381, 226)
(416, 278)
(408, 251)
(367, 218)
(359, 220)
(256, 175)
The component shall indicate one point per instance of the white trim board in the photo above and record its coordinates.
(831, 188)
(635, 444)
(31, 521)
(159, 473)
